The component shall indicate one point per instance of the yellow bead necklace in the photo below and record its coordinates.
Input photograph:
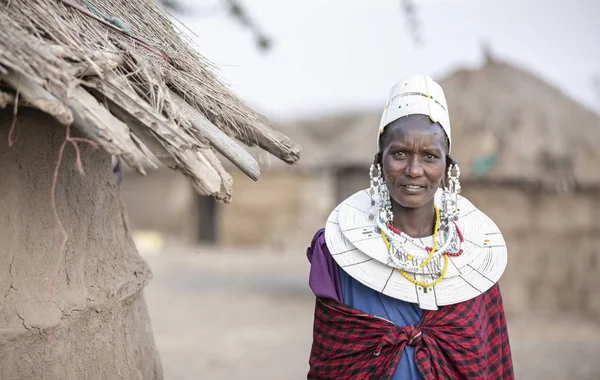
(431, 253)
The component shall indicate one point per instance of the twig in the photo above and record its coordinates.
(63, 232)
(113, 27)
(13, 128)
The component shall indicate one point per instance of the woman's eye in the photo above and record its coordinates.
(430, 156)
(400, 154)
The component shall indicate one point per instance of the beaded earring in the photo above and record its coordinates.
(374, 188)
(450, 208)
(381, 206)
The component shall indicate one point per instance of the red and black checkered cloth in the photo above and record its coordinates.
(468, 340)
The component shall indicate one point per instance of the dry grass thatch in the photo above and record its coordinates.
(508, 126)
(122, 74)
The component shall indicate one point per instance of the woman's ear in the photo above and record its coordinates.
(449, 162)
(377, 158)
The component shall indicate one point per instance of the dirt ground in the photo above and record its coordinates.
(221, 314)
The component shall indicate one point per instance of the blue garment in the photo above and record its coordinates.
(401, 313)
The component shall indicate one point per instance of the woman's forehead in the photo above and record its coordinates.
(422, 128)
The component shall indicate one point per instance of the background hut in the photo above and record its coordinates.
(529, 158)
(117, 76)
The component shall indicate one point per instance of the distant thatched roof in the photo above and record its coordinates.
(508, 126)
(528, 130)
(120, 72)
(336, 140)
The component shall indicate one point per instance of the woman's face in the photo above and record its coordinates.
(413, 161)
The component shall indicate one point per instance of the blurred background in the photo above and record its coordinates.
(230, 296)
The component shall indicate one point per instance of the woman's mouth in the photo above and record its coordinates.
(413, 189)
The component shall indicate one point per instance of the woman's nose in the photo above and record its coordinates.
(414, 168)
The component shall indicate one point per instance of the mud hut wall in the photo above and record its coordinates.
(554, 248)
(164, 201)
(281, 210)
(349, 180)
(100, 325)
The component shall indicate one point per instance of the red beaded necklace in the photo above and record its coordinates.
(452, 254)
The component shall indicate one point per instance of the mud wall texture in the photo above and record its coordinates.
(553, 249)
(92, 323)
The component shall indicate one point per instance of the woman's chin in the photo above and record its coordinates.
(413, 200)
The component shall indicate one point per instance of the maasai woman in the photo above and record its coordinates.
(405, 272)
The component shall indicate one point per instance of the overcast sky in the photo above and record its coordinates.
(332, 55)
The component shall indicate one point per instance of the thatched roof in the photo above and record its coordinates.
(508, 126)
(123, 75)
(527, 130)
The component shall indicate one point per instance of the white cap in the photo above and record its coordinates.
(416, 94)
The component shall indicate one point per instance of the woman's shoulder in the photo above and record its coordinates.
(317, 246)
(324, 277)
(318, 236)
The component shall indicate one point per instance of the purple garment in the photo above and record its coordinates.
(328, 280)
(324, 278)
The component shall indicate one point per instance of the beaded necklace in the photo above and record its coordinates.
(389, 230)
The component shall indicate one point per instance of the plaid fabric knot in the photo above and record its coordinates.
(415, 337)
(468, 340)
(399, 335)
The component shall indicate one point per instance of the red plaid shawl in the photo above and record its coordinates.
(468, 340)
